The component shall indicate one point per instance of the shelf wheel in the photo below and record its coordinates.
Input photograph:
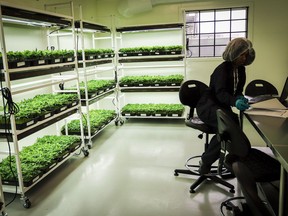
(4, 214)
(85, 152)
(27, 203)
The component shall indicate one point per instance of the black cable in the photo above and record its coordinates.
(61, 28)
(230, 206)
(12, 109)
(10, 105)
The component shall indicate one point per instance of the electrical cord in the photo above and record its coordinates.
(12, 107)
(12, 110)
(230, 206)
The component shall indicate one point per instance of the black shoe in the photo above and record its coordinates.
(204, 168)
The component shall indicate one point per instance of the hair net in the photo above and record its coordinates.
(236, 47)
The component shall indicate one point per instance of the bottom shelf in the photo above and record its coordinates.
(98, 120)
(153, 110)
(39, 159)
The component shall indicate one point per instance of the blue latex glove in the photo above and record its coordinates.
(241, 105)
(243, 98)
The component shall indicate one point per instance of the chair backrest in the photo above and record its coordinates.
(260, 87)
(191, 91)
(231, 136)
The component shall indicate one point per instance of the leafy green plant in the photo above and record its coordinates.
(32, 108)
(151, 80)
(98, 119)
(95, 86)
(155, 49)
(152, 109)
(37, 158)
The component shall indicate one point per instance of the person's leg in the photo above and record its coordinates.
(212, 153)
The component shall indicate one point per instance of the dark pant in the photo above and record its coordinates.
(212, 153)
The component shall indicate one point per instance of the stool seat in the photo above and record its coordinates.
(196, 123)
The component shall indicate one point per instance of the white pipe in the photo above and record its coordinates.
(128, 8)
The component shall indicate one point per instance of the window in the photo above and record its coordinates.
(209, 31)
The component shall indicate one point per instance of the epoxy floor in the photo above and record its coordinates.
(129, 172)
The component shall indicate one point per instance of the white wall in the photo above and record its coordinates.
(267, 30)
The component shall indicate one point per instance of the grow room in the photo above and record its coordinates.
(91, 120)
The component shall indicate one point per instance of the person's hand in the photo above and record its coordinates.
(243, 98)
(241, 104)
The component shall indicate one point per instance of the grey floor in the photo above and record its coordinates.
(129, 171)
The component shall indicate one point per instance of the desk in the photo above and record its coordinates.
(274, 132)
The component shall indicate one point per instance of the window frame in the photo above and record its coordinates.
(214, 21)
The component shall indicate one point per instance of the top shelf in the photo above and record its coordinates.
(150, 27)
(24, 16)
(92, 26)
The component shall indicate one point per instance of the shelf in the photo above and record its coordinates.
(153, 58)
(152, 117)
(95, 62)
(97, 97)
(11, 188)
(150, 89)
(92, 26)
(28, 72)
(40, 124)
(150, 27)
(26, 16)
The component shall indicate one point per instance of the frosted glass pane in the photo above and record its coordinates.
(207, 39)
(192, 28)
(194, 52)
(206, 51)
(207, 27)
(223, 26)
(222, 39)
(239, 14)
(192, 16)
(193, 40)
(207, 16)
(223, 15)
(238, 34)
(219, 50)
(238, 25)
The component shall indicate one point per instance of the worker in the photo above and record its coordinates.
(224, 92)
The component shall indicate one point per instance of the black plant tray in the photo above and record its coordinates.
(159, 114)
(175, 115)
(95, 94)
(61, 109)
(38, 62)
(69, 59)
(134, 54)
(55, 61)
(128, 114)
(62, 156)
(45, 116)
(25, 183)
(51, 166)
(19, 126)
(74, 146)
(72, 104)
(18, 64)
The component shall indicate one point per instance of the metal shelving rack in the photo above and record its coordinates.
(68, 73)
(152, 62)
(95, 69)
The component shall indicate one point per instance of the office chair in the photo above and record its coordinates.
(260, 87)
(250, 166)
(189, 94)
